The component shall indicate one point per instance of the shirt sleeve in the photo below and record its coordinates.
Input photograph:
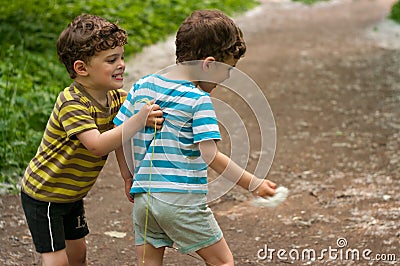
(205, 123)
(75, 118)
(126, 110)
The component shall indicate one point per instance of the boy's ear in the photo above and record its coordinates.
(207, 62)
(80, 68)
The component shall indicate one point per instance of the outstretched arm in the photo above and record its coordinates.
(224, 166)
(103, 143)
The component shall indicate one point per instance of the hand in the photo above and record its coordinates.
(265, 188)
(128, 185)
(153, 115)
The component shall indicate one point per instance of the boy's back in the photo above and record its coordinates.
(208, 37)
(176, 162)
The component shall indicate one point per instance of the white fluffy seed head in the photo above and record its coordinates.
(280, 196)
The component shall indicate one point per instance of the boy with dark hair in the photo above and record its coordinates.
(169, 183)
(77, 139)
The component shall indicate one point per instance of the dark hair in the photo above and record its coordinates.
(85, 36)
(208, 33)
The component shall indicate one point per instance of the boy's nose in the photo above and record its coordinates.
(122, 65)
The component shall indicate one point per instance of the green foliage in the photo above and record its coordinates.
(24, 108)
(37, 23)
(31, 76)
(395, 12)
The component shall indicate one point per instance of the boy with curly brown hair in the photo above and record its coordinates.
(78, 137)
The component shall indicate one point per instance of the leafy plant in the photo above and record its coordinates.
(395, 12)
(23, 112)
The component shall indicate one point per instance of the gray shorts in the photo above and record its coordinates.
(175, 218)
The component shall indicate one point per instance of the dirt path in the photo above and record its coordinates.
(332, 79)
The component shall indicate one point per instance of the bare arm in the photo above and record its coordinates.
(224, 166)
(103, 143)
(124, 159)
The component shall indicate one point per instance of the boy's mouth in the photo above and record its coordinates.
(118, 76)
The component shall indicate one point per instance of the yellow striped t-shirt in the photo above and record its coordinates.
(63, 170)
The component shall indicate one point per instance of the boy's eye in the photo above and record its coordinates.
(114, 59)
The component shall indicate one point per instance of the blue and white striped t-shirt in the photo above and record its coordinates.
(176, 164)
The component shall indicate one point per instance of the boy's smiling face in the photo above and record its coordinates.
(106, 69)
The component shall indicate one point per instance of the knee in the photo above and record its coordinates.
(224, 263)
(80, 260)
(83, 259)
(77, 259)
(227, 260)
(76, 251)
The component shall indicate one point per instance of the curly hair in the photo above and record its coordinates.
(84, 37)
(208, 33)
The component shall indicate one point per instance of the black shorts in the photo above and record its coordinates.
(53, 223)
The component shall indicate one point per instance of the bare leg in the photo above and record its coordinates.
(153, 256)
(76, 252)
(217, 254)
(58, 258)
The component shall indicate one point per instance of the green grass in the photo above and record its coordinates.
(395, 12)
(31, 76)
